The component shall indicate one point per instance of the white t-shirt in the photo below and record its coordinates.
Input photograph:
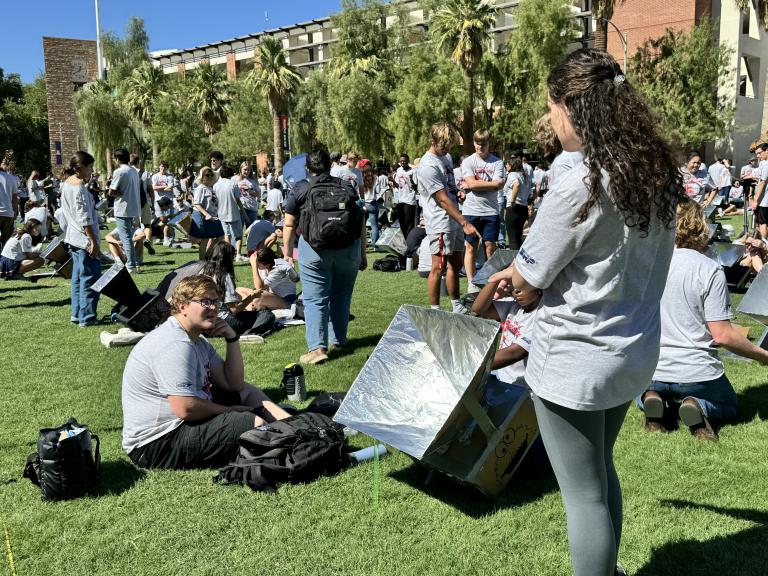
(166, 362)
(15, 248)
(698, 184)
(206, 198)
(523, 189)
(80, 212)
(425, 256)
(127, 182)
(696, 292)
(562, 163)
(750, 172)
(274, 200)
(516, 328)
(61, 218)
(281, 280)
(436, 173)
(249, 192)
(39, 213)
(8, 189)
(226, 193)
(162, 180)
(405, 191)
(482, 203)
(598, 325)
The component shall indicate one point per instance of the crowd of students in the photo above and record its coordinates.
(610, 298)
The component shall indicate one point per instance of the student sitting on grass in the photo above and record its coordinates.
(183, 405)
(115, 246)
(696, 315)
(278, 280)
(19, 256)
(516, 314)
(756, 255)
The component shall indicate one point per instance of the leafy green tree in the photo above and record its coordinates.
(462, 30)
(104, 122)
(433, 90)
(140, 92)
(516, 80)
(125, 54)
(679, 73)
(209, 96)
(276, 80)
(248, 129)
(311, 121)
(177, 130)
(24, 123)
(358, 110)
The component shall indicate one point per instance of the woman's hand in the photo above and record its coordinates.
(363, 262)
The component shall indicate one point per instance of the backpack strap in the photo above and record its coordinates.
(32, 468)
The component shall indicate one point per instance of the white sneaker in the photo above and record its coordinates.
(156, 241)
(167, 243)
(472, 288)
(241, 258)
(251, 339)
(460, 309)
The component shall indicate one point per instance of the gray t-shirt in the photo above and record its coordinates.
(249, 191)
(597, 330)
(8, 189)
(436, 173)
(563, 163)
(226, 192)
(763, 167)
(696, 293)
(282, 279)
(207, 199)
(482, 203)
(166, 362)
(126, 181)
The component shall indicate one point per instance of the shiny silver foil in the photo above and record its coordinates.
(496, 263)
(392, 240)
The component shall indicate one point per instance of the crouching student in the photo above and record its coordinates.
(516, 311)
(276, 279)
(183, 405)
(689, 381)
(19, 256)
(117, 250)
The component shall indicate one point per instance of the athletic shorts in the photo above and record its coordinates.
(762, 215)
(446, 243)
(487, 226)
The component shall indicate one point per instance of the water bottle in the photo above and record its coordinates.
(293, 380)
(408, 264)
(368, 453)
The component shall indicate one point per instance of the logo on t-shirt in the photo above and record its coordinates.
(525, 256)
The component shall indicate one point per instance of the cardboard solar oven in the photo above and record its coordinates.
(181, 222)
(425, 391)
(55, 252)
(140, 311)
(755, 305)
(726, 254)
(498, 261)
(393, 241)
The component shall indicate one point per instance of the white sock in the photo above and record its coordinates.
(435, 306)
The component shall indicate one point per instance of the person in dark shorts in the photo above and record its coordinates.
(183, 405)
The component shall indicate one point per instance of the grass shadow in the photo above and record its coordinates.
(532, 480)
(118, 476)
(742, 553)
(50, 303)
(12, 288)
(753, 402)
(353, 344)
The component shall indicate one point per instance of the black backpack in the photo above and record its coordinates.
(389, 263)
(330, 217)
(298, 449)
(65, 465)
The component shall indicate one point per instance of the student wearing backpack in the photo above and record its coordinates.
(331, 251)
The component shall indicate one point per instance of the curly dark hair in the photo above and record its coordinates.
(620, 135)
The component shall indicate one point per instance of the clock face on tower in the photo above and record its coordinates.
(79, 70)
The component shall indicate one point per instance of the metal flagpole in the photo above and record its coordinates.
(99, 60)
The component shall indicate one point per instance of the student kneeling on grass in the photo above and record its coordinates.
(19, 256)
(183, 405)
(696, 314)
(277, 278)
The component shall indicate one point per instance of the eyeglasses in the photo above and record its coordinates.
(208, 303)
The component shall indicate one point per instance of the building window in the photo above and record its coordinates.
(748, 76)
(311, 54)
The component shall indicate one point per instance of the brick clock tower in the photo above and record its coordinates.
(69, 65)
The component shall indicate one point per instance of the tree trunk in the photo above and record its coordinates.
(277, 141)
(468, 122)
(108, 161)
(601, 35)
(155, 154)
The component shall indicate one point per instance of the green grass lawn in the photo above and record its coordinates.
(691, 507)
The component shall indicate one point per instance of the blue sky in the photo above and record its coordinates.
(169, 23)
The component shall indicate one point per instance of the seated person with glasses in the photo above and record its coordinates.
(183, 405)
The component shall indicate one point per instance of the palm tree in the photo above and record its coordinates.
(462, 29)
(140, 94)
(102, 120)
(276, 80)
(209, 96)
(602, 12)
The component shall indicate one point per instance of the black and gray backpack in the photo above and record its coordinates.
(330, 217)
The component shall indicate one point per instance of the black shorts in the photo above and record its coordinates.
(761, 216)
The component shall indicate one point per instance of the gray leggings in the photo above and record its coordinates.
(580, 448)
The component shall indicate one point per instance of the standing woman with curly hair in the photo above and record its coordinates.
(599, 250)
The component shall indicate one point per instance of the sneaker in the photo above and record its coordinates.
(692, 416)
(472, 288)
(149, 247)
(241, 258)
(156, 241)
(167, 243)
(251, 339)
(314, 357)
(653, 408)
(133, 271)
(460, 309)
